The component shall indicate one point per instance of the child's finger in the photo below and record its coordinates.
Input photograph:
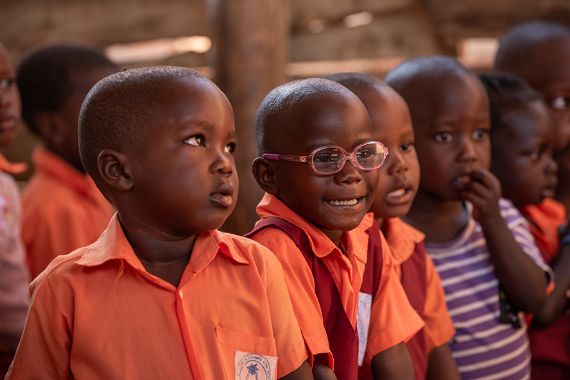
(479, 189)
(486, 178)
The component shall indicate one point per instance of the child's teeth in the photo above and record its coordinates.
(350, 202)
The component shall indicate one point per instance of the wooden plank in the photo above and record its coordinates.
(250, 44)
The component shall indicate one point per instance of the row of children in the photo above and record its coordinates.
(333, 290)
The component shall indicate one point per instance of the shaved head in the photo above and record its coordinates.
(519, 47)
(275, 112)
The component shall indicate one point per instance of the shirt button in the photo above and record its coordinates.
(180, 294)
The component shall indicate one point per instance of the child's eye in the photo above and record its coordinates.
(6, 83)
(443, 137)
(197, 140)
(480, 133)
(230, 148)
(407, 147)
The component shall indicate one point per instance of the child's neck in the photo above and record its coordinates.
(163, 256)
(440, 220)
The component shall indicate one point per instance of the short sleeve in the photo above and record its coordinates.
(301, 288)
(522, 235)
(44, 350)
(393, 319)
(438, 328)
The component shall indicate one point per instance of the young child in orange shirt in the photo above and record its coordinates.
(14, 299)
(319, 165)
(522, 141)
(399, 180)
(62, 208)
(162, 294)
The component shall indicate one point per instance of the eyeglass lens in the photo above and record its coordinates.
(330, 160)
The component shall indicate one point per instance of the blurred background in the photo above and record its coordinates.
(249, 46)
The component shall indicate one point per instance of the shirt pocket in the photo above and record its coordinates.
(236, 348)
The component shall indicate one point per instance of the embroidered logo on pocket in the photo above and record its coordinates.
(255, 367)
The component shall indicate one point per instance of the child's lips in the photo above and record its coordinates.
(399, 196)
(223, 196)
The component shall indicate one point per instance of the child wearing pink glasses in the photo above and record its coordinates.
(318, 165)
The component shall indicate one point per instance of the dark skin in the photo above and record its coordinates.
(399, 181)
(58, 129)
(452, 141)
(524, 162)
(322, 121)
(9, 100)
(194, 145)
(547, 70)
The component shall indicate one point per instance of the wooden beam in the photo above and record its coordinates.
(250, 39)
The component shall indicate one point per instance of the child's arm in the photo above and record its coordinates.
(441, 365)
(557, 302)
(393, 363)
(522, 280)
(44, 350)
(321, 368)
(302, 373)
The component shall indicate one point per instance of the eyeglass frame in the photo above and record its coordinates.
(309, 159)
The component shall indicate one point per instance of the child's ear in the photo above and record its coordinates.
(114, 170)
(264, 175)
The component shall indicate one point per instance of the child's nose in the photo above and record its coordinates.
(224, 163)
(551, 166)
(467, 149)
(396, 163)
(349, 174)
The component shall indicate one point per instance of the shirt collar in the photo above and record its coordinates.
(113, 245)
(12, 167)
(401, 237)
(356, 240)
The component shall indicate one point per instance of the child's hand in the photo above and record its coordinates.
(483, 190)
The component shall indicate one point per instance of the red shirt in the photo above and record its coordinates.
(392, 319)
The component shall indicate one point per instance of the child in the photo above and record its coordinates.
(399, 179)
(539, 52)
(13, 274)
(522, 136)
(318, 166)
(162, 294)
(478, 242)
(62, 208)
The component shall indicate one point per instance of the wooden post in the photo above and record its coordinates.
(250, 52)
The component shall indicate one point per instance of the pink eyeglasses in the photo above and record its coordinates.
(330, 159)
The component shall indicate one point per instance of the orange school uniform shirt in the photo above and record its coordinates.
(98, 314)
(62, 210)
(403, 239)
(392, 318)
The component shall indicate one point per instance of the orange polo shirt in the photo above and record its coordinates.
(62, 211)
(392, 321)
(402, 239)
(98, 314)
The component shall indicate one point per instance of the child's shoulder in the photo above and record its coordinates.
(62, 268)
(246, 250)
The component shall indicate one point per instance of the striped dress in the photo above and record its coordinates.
(482, 347)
